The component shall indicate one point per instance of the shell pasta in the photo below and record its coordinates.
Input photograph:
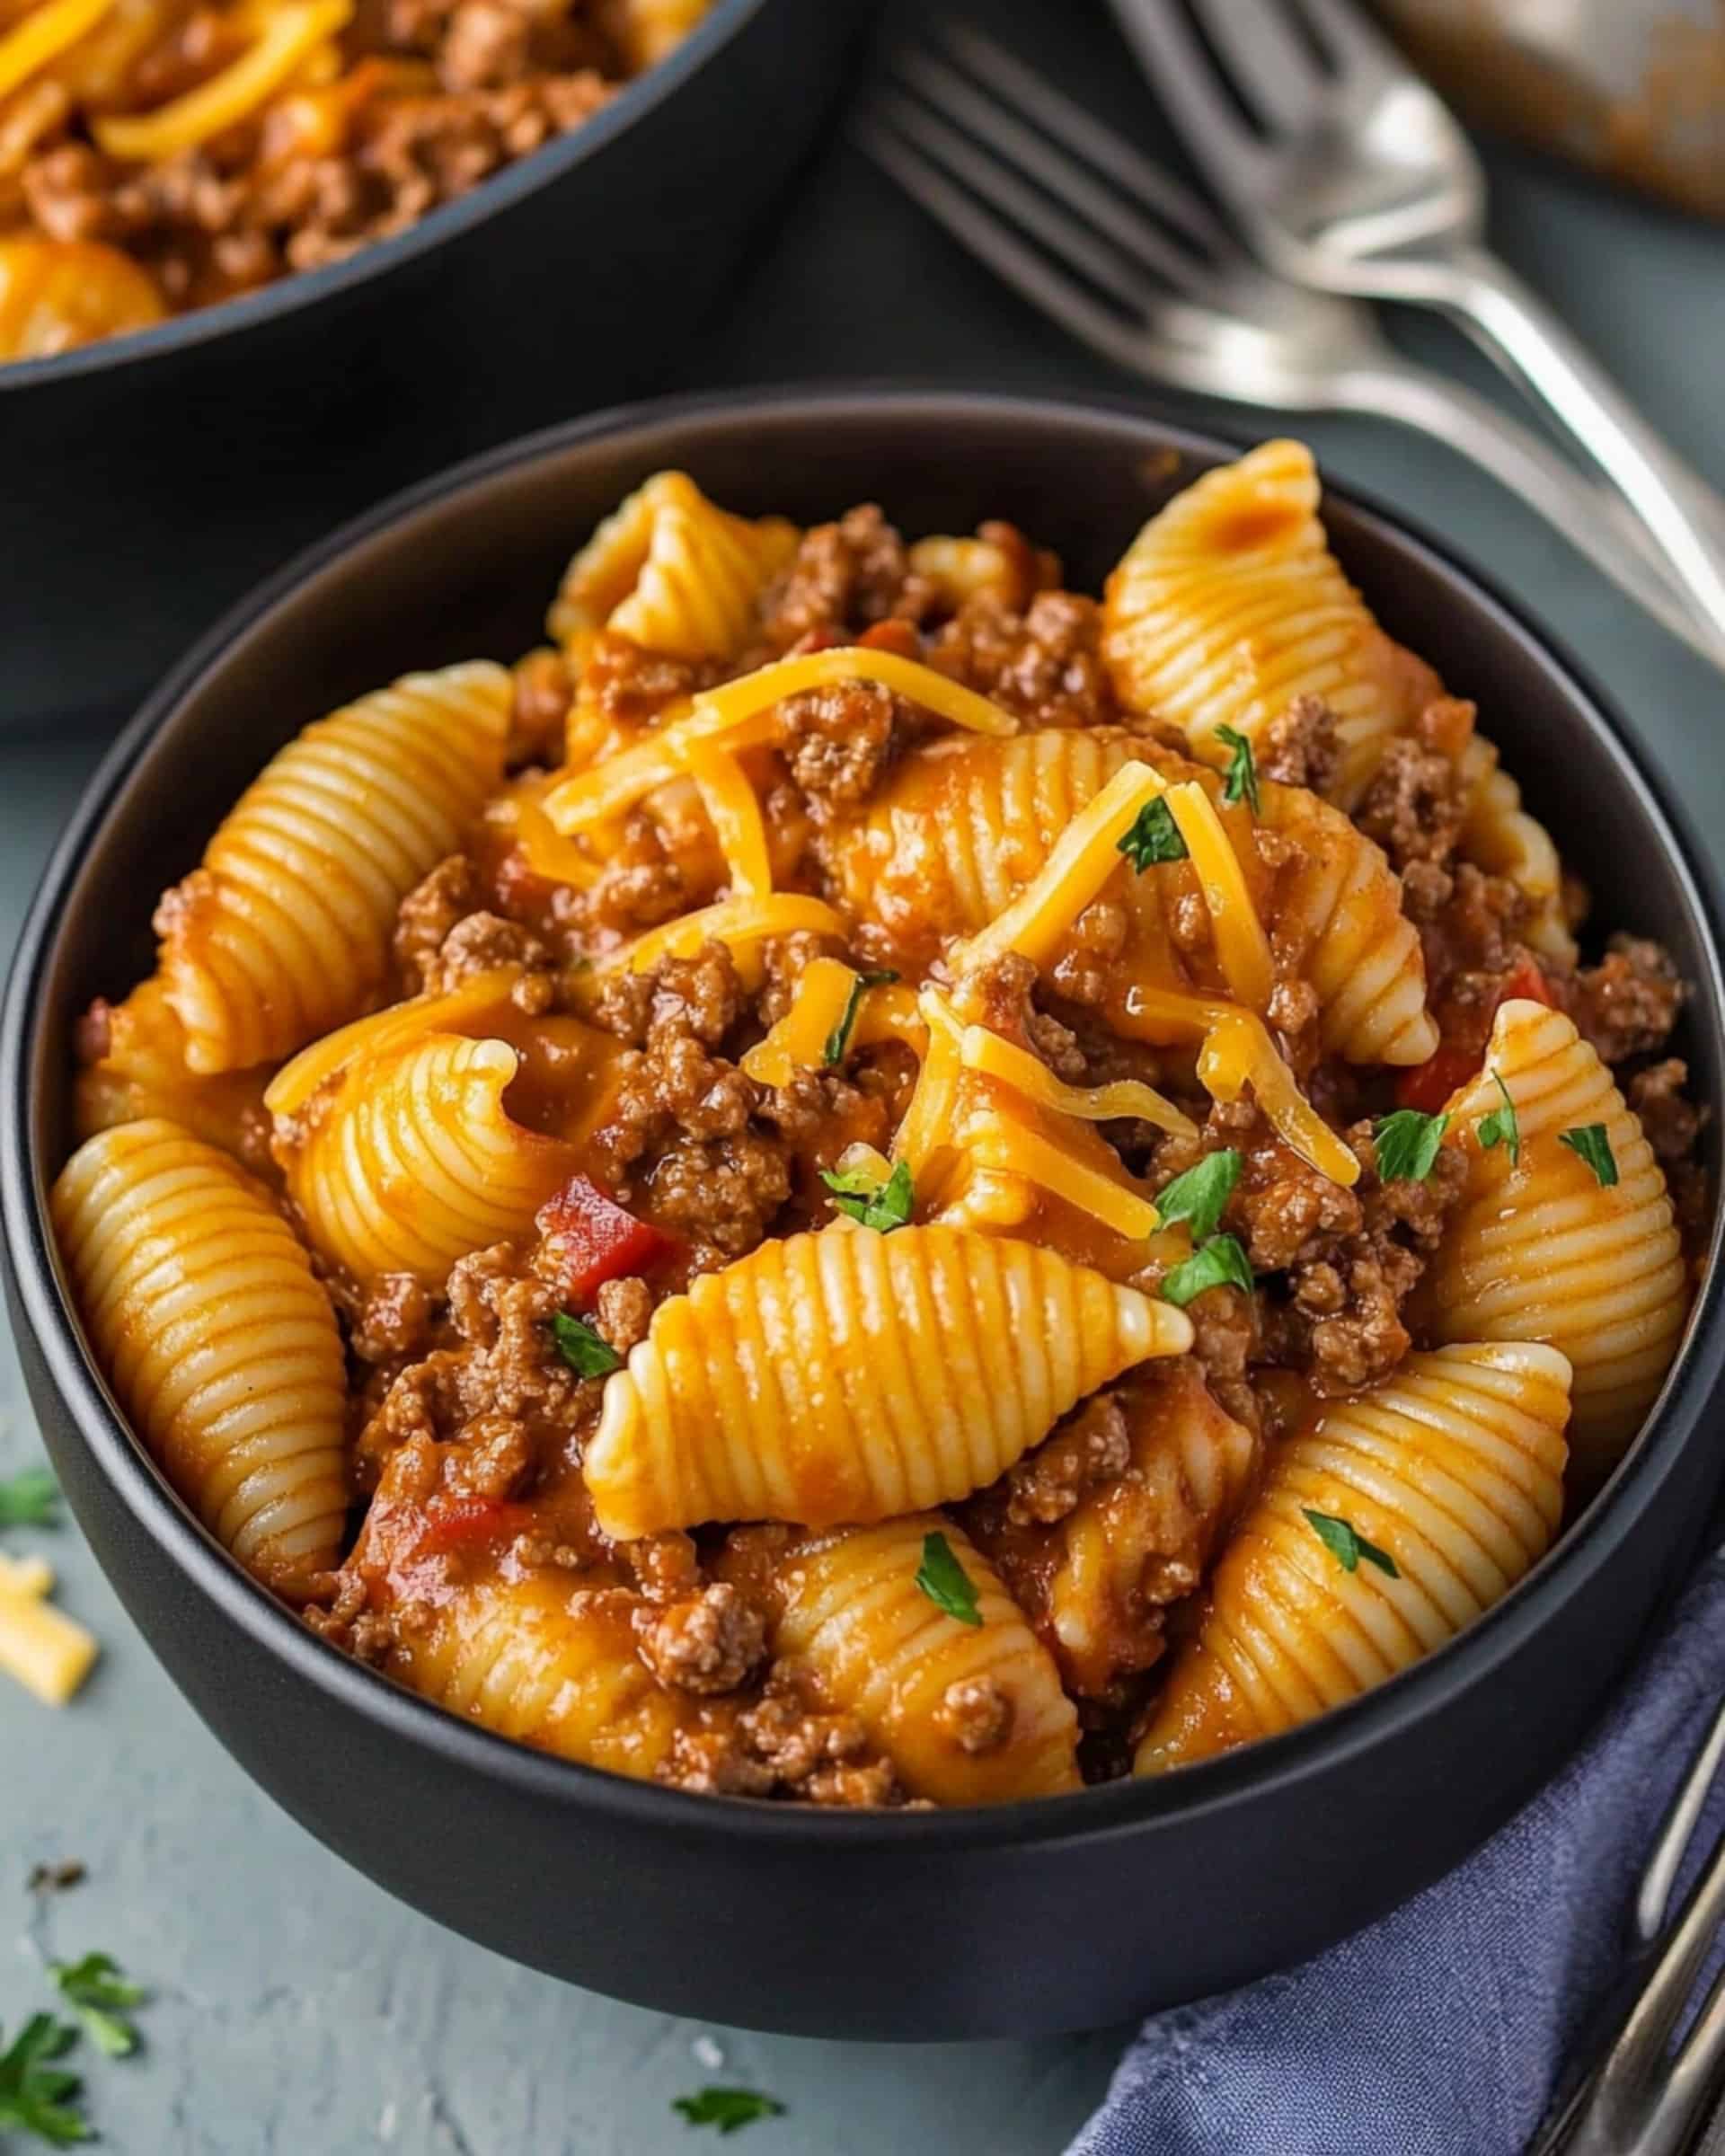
(869, 1181)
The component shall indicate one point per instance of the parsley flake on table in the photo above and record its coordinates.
(1592, 1142)
(1242, 782)
(1501, 1127)
(728, 2110)
(30, 1498)
(1155, 836)
(36, 2096)
(1408, 1145)
(1200, 1194)
(103, 1998)
(1220, 1263)
(945, 1582)
(1347, 1545)
(881, 1205)
(839, 1040)
(587, 1355)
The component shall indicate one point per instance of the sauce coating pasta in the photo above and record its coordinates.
(868, 1181)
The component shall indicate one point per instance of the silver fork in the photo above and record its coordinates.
(1112, 248)
(1351, 176)
(1637, 2100)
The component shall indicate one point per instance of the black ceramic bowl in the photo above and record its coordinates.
(157, 476)
(1034, 1917)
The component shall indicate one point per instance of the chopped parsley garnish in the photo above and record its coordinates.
(839, 1040)
(1199, 1196)
(945, 1582)
(1220, 1263)
(1155, 836)
(1242, 782)
(1500, 1126)
(882, 1205)
(102, 1999)
(728, 2110)
(36, 2096)
(1408, 1145)
(1592, 1142)
(1347, 1545)
(587, 1355)
(30, 1498)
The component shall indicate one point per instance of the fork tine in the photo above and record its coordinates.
(1019, 147)
(1056, 115)
(1063, 237)
(1653, 1901)
(1272, 65)
(1185, 76)
(991, 239)
(1352, 42)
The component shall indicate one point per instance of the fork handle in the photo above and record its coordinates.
(1522, 334)
(1596, 521)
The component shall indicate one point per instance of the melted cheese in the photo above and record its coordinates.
(1238, 1049)
(998, 1141)
(1083, 857)
(734, 703)
(544, 850)
(1241, 946)
(288, 37)
(798, 1041)
(735, 815)
(739, 923)
(43, 35)
(986, 1053)
(927, 1123)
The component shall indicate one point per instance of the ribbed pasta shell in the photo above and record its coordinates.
(1146, 1539)
(56, 293)
(671, 571)
(413, 1160)
(143, 1074)
(1500, 837)
(1544, 1252)
(849, 1376)
(1453, 1465)
(284, 932)
(963, 826)
(1228, 605)
(220, 1344)
(879, 1648)
(535, 1660)
(1339, 915)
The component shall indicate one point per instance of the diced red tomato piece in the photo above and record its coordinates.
(1427, 1085)
(458, 1522)
(595, 1240)
(1526, 982)
(892, 636)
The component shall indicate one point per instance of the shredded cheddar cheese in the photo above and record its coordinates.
(1083, 857)
(543, 848)
(735, 815)
(739, 923)
(733, 703)
(1241, 946)
(42, 1647)
(927, 1121)
(44, 33)
(1238, 1049)
(288, 39)
(997, 1141)
(798, 1042)
(989, 1053)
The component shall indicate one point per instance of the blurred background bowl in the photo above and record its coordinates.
(148, 481)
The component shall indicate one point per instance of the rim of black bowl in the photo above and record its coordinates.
(306, 287)
(1114, 1809)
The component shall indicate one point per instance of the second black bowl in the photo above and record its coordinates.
(1058, 1914)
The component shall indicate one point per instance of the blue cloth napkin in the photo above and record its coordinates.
(1441, 2031)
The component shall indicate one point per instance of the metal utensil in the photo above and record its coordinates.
(1347, 173)
(1640, 2098)
(1112, 248)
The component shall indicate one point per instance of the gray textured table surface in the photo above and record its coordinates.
(296, 2006)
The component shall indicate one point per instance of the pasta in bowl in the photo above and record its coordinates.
(870, 1183)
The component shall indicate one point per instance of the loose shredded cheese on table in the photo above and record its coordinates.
(287, 37)
(1241, 946)
(42, 1647)
(994, 1057)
